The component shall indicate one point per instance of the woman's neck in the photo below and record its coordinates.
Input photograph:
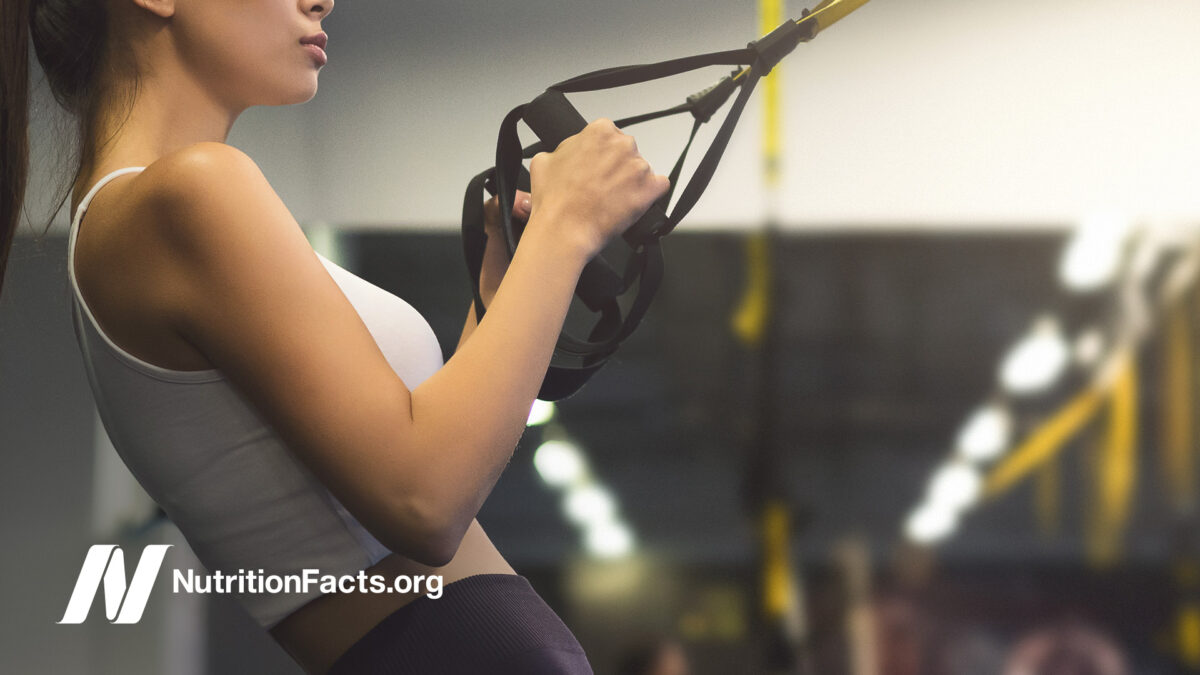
(170, 112)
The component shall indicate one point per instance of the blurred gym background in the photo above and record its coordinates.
(918, 394)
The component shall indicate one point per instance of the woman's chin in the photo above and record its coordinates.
(311, 91)
(308, 95)
(300, 92)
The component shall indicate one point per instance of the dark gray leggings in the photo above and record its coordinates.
(493, 624)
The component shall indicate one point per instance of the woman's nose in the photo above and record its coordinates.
(322, 8)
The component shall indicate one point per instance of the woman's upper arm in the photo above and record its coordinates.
(257, 302)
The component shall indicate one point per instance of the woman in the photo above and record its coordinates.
(285, 413)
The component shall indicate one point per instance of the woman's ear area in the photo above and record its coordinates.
(162, 8)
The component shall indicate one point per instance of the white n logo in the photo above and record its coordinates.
(107, 561)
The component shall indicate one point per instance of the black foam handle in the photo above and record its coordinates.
(553, 119)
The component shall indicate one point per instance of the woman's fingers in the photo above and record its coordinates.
(595, 184)
(522, 205)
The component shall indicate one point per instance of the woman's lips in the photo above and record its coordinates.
(315, 44)
(318, 54)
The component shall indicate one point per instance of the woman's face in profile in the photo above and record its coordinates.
(249, 51)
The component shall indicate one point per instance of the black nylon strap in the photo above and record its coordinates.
(574, 359)
(622, 76)
(708, 164)
(535, 148)
(508, 163)
(647, 117)
(473, 235)
(674, 177)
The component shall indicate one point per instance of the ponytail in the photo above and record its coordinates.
(69, 38)
(14, 121)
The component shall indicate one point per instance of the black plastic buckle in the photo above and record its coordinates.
(706, 103)
(779, 43)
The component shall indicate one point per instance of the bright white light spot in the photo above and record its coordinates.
(930, 524)
(1093, 256)
(559, 463)
(986, 434)
(955, 486)
(541, 413)
(589, 504)
(1038, 360)
(1089, 347)
(609, 540)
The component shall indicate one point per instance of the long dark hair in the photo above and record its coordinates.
(70, 38)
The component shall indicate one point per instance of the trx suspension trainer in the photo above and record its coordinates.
(616, 287)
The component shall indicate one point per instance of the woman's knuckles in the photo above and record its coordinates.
(596, 182)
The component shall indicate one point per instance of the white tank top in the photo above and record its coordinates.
(215, 466)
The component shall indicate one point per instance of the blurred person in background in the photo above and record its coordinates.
(655, 656)
(902, 636)
(1071, 648)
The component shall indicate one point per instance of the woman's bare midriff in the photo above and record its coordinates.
(318, 633)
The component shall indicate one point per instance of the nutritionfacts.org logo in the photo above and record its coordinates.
(124, 600)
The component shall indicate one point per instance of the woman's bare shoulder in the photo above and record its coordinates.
(205, 155)
(207, 197)
(128, 259)
(199, 171)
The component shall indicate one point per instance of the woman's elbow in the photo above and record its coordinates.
(431, 536)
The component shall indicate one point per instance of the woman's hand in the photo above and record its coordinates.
(491, 213)
(495, 255)
(594, 186)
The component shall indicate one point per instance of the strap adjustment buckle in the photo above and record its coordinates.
(706, 103)
(780, 42)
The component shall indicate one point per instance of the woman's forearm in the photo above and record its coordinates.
(468, 417)
(495, 264)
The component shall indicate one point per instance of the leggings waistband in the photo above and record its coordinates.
(487, 623)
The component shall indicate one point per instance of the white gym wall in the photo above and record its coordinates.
(909, 112)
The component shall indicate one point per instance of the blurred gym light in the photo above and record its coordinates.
(1089, 347)
(930, 524)
(1093, 256)
(589, 504)
(608, 539)
(541, 413)
(559, 463)
(1038, 360)
(955, 486)
(986, 435)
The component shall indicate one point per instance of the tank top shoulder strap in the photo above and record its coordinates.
(84, 312)
(91, 193)
(73, 231)
(77, 217)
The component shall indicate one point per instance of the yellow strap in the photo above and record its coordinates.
(823, 16)
(1047, 497)
(830, 12)
(1178, 447)
(1187, 635)
(1117, 468)
(1044, 442)
(771, 14)
(750, 319)
(779, 591)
